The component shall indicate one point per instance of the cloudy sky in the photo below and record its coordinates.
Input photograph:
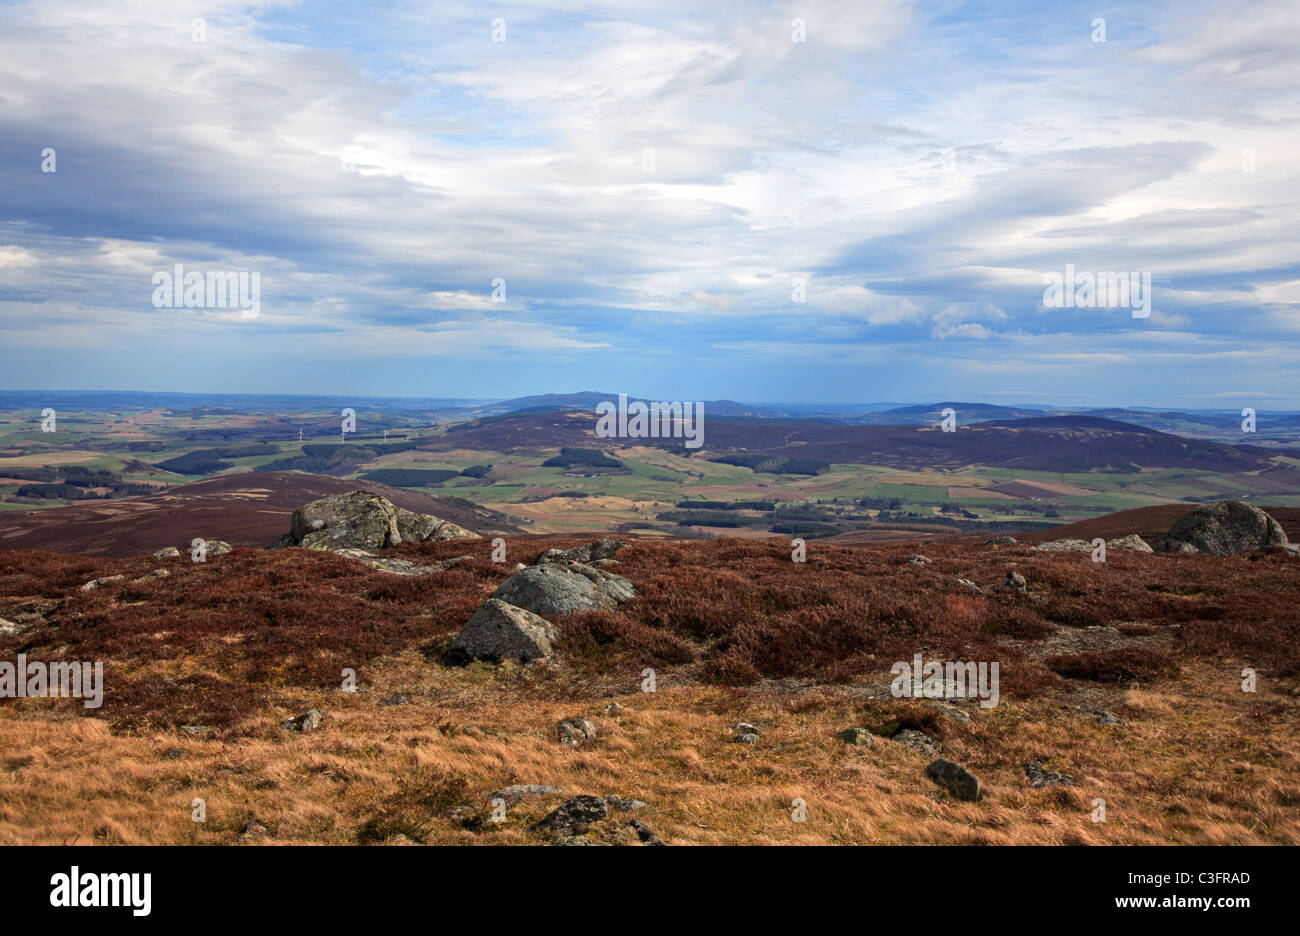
(651, 182)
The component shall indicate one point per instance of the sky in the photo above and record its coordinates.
(804, 201)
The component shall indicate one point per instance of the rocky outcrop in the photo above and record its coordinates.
(1222, 529)
(501, 631)
(399, 566)
(366, 521)
(588, 553)
(563, 586)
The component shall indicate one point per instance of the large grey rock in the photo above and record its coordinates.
(563, 587)
(959, 781)
(1223, 528)
(589, 553)
(362, 520)
(501, 631)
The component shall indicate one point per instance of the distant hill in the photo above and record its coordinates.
(242, 509)
(1040, 443)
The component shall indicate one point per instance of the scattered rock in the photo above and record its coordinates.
(155, 574)
(1002, 541)
(217, 547)
(513, 795)
(399, 566)
(859, 737)
(574, 815)
(1222, 529)
(614, 708)
(575, 731)
(918, 741)
(959, 781)
(966, 583)
(196, 731)
(174, 753)
(1065, 545)
(395, 699)
(951, 711)
(254, 829)
(591, 552)
(1105, 718)
(918, 559)
(1015, 582)
(563, 586)
(100, 582)
(1132, 541)
(746, 728)
(499, 631)
(306, 722)
(644, 834)
(745, 737)
(167, 552)
(617, 802)
(9, 628)
(1039, 776)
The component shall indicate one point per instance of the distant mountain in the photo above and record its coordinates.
(932, 413)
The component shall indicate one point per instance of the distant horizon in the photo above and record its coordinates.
(875, 404)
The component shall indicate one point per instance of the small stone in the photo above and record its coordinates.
(1002, 541)
(195, 731)
(306, 722)
(174, 753)
(100, 582)
(746, 737)
(1015, 582)
(614, 708)
(918, 741)
(859, 737)
(616, 802)
(513, 795)
(746, 728)
(575, 731)
(644, 834)
(167, 552)
(395, 699)
(573, 816)
(918, 559)
(966, 583)
(253, 829)
(1039, 776)
(955, 778)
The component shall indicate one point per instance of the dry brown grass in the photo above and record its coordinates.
(1196, 762)
(251, 638)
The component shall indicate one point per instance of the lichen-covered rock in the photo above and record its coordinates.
(1039, 776)
(918, 741)
(1223, 528)
(501, 631)
(859, 737)
(589, 553)
(306, 722)
(574, 815)
(1065, 545)
(363, 520)
(1132, 541)
(575, 731)
(564, 587)
(167, 552)
(1015, 582)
